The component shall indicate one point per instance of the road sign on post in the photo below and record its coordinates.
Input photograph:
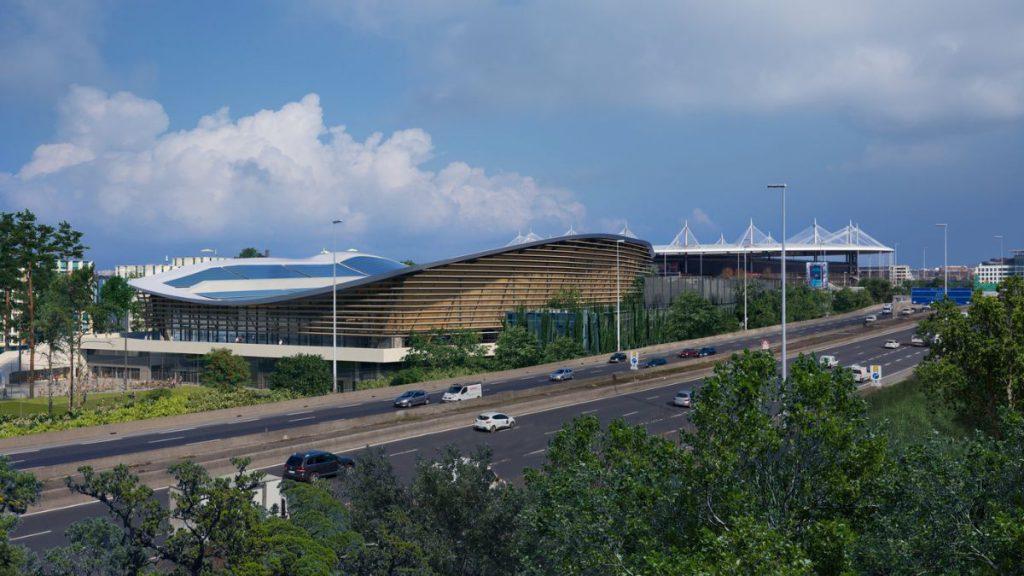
(634, 360)
(765, 346)
(876, 373)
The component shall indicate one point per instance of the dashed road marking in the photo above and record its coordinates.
(165, 439)
(404, 452)
(589, 411)
(651, 398)
(299, 412)
(550, 432)
(301, 419)
(630, 413)
(541, 451)
(34, 534)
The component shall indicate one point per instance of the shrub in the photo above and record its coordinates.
(516, 347)
(563, 348)
(224, 370)
(305, 374)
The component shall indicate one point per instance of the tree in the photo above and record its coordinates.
(18, 490)
(693, 316)
(880, 289)
(222, 369)
(563, 348)
(439, 349)
(847, 300)
(115, 304)
(516, 347)
(250, 252)
(306, 374)
(977, 365)
(96, 547)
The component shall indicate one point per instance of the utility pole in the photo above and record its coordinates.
(945, 258)
(782, 187)
(618, 300)
(334, 305)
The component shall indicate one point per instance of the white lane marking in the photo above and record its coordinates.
(550, 432)
(301, 419)
(15, 539)
(17, 453)
(165, 439)
(502, 461)
(679, 415)
(541, 451)
(405, 452)
(177, 430)
(590, 411)
(630, 413)
(246, 420)
(651, 398)
(100, 441)
(299, 412)
(15, 461)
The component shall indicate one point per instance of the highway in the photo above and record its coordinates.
(121, 445)
(524, 446)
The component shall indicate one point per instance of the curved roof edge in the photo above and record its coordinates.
(147, 286)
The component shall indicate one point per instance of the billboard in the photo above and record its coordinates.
(817, 274)
(961, 296)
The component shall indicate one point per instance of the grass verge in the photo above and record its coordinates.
(904, 414)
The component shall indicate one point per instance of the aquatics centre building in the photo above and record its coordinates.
(268, 308)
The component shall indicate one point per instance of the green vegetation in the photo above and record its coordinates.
(225, 371)
(563, 348)
(847, 300)
(692, 316)
(249, 252)
(112, 409)
(905, 414)
(516, 348)
(115, 304)
(303, 374)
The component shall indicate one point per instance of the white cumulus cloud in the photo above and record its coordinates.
(277, 170)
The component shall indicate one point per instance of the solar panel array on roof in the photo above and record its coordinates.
(357, 266)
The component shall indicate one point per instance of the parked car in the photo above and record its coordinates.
(707, 351)
(828, 361)
(689, 353)
(870, 319)
(459, 392)
(891, 344)
(916, 340)
(617, 358)
(560, 374)
(493, 421)
(654, 362)
(683, 399)
(310, 465)
(860, 373)
(411, 398)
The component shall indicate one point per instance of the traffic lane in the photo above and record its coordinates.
(512, 450)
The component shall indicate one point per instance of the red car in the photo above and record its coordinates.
(689, 353)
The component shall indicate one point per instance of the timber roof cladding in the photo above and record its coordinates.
(470, 292)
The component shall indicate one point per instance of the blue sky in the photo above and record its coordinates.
(443, 127)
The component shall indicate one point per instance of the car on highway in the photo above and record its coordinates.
(707, 351)
(493, 480)
(916, 340)
(891, 344)
(906, 311)
(459, 392)
(411, 398)
(870, 319)
(828, 361)
(313, 464)
(560, 375)
(683, 399)
(617, 358)
(689, 353)
(886, 308)
(493, 421)
(654, 363)
(860, 373)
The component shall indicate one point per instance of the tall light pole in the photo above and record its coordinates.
(744, 289)
(945, 258)
(1000, 238)
(618, 300)
(334, 304)
(782, 187)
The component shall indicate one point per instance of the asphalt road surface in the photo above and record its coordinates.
(132, 444)
(525, 445)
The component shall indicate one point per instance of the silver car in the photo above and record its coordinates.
(560, 374)
(683, 398)
(411, 398)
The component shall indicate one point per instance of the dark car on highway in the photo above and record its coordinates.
(707, 351)
(653, 362)
(689, 353)
(617, 358)
(308, 466)
(411, 398)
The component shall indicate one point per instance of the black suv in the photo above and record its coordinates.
(308, 466)
(617, 358)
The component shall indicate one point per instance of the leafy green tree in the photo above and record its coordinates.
(18, 490)
(516, 347)
(693, 316)
(96, 547)
(250, 252)
(115, 304)
(222, 369)
(305, 374)
(442, 349)
(977, 365)
(880, 289)
(749, 547)
(847, 300)
(10, 273)
(563, 348)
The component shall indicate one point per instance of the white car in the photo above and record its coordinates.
(871, 319)
(493, 421)
(916, 340)
(828, 361)
(683, 399)
(891, 344)
(907, 311)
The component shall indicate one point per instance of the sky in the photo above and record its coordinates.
(436, 128)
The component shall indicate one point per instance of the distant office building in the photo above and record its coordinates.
(1017, 263)
(69, 266)
(143, 270)
(899, 274)
(959, 273)
(989, 274)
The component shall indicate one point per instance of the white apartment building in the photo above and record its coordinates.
(69, 266)
(989, 273)
(899, 274)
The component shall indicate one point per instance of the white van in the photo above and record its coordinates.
(828, 361)
(860, 373)
(459, 392)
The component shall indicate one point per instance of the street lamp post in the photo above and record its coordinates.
(334, 305)
(1000, 238)
(744, 289)
(618, 300)
(782, 187)
(945, 258)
